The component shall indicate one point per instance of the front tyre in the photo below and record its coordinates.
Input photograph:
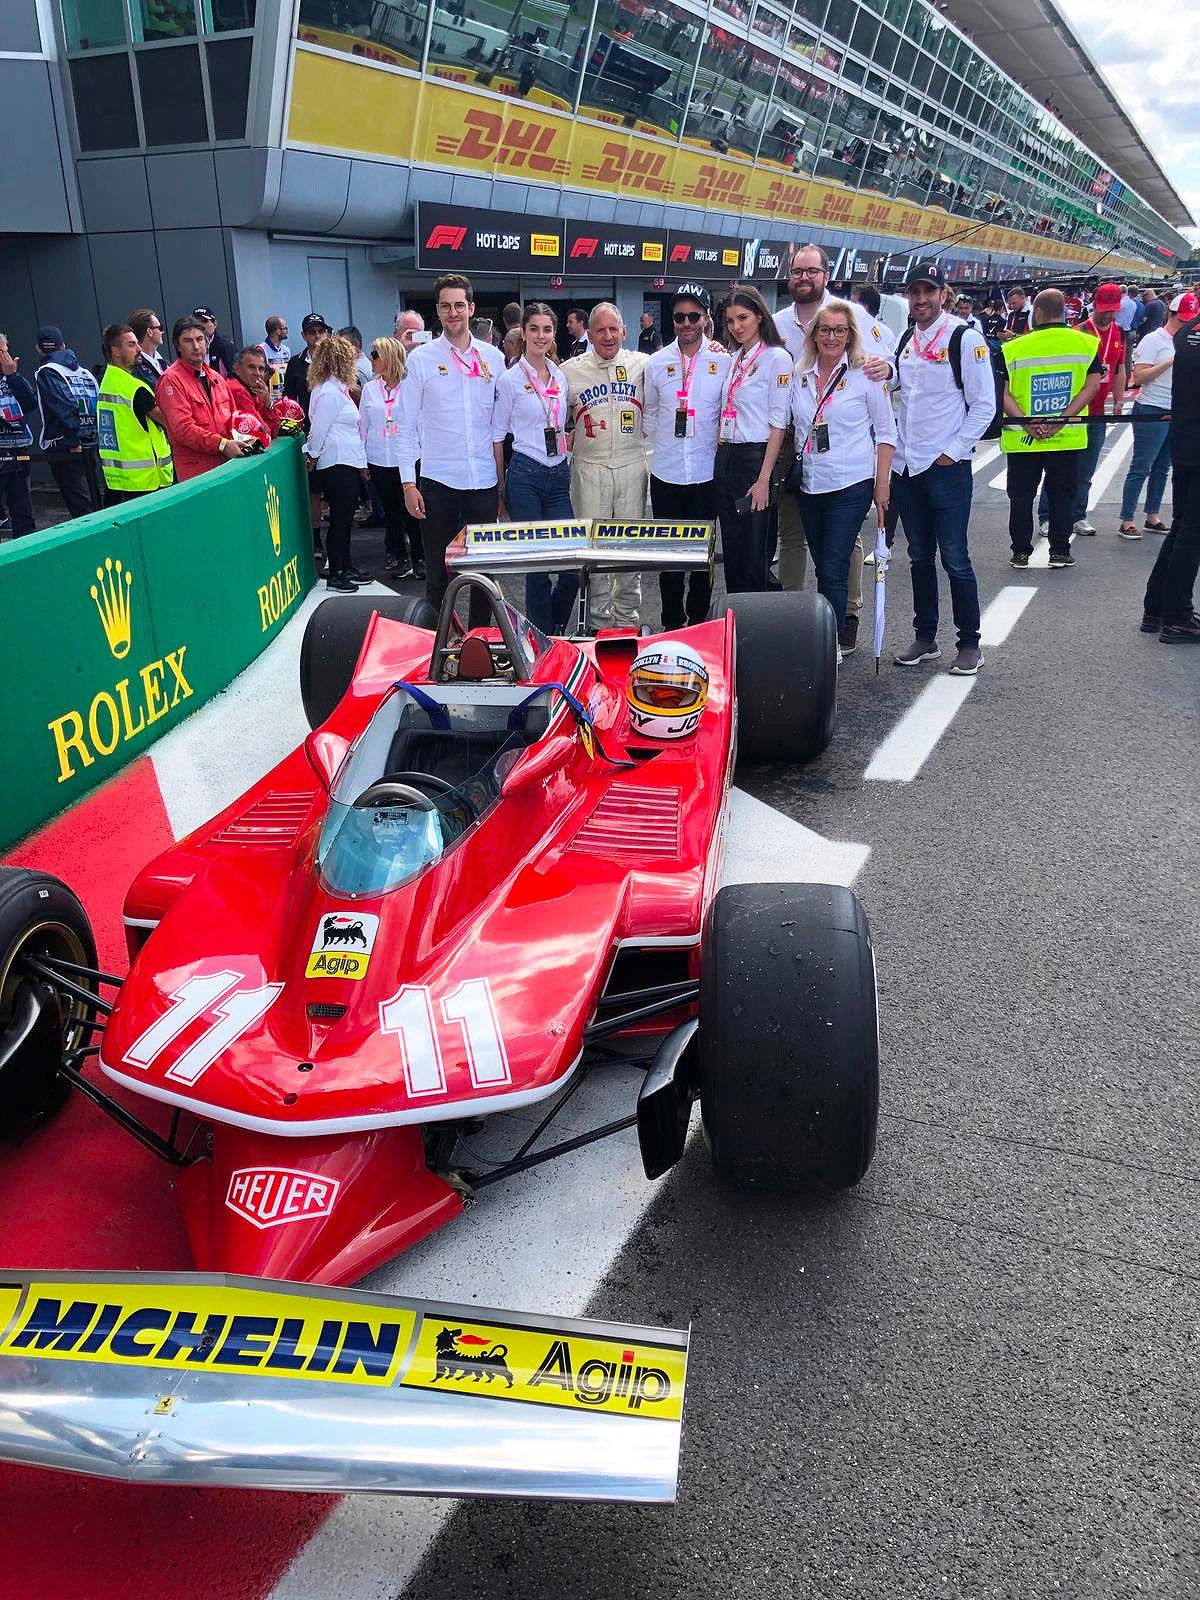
(39, 916)
(334, 637)
(788, 1066)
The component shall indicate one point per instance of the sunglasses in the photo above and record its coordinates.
(687, 316)
(374, 354)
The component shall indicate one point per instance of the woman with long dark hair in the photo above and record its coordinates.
(755, 412)
(531, 404)
(334, 452)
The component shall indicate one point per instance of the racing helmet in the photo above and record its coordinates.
(667, 689)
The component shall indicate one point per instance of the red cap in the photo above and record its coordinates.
(1186, 306)
(1108, 297)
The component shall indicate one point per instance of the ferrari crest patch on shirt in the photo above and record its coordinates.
(980, 353)
(783, 380)
(442, 369)
(713, 368)
(670, 371)
(875, 331)
(621, 375)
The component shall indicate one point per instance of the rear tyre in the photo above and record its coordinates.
(39, 915)
(333, 639)
(786, 674)
(788, 1065)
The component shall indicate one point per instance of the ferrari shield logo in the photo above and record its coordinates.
(342, 945)
(621, 374)
(587, 740)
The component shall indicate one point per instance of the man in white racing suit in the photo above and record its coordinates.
(609, 475)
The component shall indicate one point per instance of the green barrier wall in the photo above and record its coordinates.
(122, 623)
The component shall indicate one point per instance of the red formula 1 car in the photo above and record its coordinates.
(495, 855)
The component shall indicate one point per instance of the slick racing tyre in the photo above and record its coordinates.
(788, 1065)
(333, 639)
(786, 674)
(39, 916)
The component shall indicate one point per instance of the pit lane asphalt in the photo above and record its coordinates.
(977, 1374)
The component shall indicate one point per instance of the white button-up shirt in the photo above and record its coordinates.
(859, 416)
(937, 417)
(333, 427)
(521, 411)
(877, 338)
(762, 393)
(446, 416)
(379, 422)
(704, 372)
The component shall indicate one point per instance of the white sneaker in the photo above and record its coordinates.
(1083, 526)
(1043, 529)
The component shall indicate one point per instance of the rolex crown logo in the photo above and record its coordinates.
(111, 594)
(273, 515)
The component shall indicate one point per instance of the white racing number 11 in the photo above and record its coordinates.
(409, 1015)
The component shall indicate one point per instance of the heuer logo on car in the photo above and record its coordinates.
(550, 1367)
(268, 1197)
(342, 945)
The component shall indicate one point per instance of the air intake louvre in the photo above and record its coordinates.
(275, 819)
(324, 1011)
(633, 821)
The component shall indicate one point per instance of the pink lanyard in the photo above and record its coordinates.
(472, 371)
(743, 368)
(686, 381)
(825, 403)
(548, 396)
(930, 351)
(389, 400)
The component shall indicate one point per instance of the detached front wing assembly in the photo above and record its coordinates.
(216, 1380)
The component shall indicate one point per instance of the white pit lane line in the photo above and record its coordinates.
(543, 1242)
(914, 738)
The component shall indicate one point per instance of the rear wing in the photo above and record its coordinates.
(582, 546)
(217, 1380)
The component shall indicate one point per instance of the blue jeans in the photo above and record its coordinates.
(1087, 458)
(1151, 459)
(536, 493)
(831, 523)
(935, 508)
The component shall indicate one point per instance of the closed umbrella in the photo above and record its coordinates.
(882, 556)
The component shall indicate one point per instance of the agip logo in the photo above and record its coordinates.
(111, 595)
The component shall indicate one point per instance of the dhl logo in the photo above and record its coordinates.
(876, 215)
(631, 169)
(836, 207)
(718, 183)
(507, 141)
(786, 200)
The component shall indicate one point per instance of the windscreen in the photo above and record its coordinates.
(418, 777)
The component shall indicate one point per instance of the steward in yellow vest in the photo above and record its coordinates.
(1053, 372)
(135, 454)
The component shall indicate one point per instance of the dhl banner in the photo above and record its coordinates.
(347, 105)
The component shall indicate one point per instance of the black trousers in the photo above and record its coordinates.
(1169, 592)
(1062, 478)
(15, 502)
(78, 478)
(447, 512)
(683, 502)
(340, 486)
(395, 517)
(744, 536)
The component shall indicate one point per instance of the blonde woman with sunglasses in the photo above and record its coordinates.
(379, 426)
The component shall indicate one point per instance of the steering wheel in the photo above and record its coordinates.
(400, 787)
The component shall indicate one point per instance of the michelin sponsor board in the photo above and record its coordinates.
(564, 1406)
(580, 544)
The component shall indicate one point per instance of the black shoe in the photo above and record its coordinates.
(1020, 559)
(673, 624)
(848, 638)
(1181, 632)
(340, 583)
(418, 569)
(1061, 558)
(391, 566)
(1150, 624)
(357, 575)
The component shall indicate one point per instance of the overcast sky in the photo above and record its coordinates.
(1152, 60)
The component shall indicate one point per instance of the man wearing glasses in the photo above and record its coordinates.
(681, 412)
(149, 366)
(808, 285)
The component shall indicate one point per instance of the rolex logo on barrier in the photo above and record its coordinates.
(118, 713)
(111, 594)
(273, 516)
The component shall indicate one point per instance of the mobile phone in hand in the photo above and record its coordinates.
(743, 506)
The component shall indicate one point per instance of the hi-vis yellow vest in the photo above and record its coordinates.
(1046, 370)
(134, 458)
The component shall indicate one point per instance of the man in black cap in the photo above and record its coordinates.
(1168, 606)
(313, 329)
(221, 354)
(68, 394)
(947, 400)
(681, 411)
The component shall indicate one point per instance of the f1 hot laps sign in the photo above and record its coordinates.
(458, 239)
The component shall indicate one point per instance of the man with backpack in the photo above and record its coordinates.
(1053, 373)
(67, 395)
(947, 400)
